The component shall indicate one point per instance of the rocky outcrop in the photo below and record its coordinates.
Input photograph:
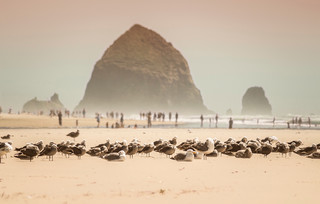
(36, 106)
(254, 102)
(140, 71)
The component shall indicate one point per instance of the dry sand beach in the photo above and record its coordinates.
(157, 179)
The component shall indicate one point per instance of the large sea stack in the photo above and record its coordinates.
(37, 106)
(141, 71)
(254, 102)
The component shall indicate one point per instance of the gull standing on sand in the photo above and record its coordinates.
(49, 150)
(5, 148)
(205, 148)
(29, 152)
(74, 134)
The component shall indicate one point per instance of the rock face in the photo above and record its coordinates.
(254, 102)
(36, 106)
(140, 71)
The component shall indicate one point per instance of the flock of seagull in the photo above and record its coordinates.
(189, 149)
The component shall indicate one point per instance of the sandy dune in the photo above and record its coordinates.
(157, 179)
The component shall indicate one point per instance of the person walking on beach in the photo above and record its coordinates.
(217, 117)
(149, 120)
(309, 122)
(201, 118)
(274, 121)
(0, 110)
(169, 115)
(121, 120)
(177, 118)
(98, 119)
(230, 123)
(60, 118)
(300, 121)
(84, 113)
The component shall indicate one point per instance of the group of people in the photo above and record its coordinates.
(160, 116)
(216, 118)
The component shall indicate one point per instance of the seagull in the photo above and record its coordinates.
(106, 144)
(220, 147)
(38, 144)
(74, 134)
(49, 150)
(205, 148)
(188, 156)
(5, 148)
(148, 149)
(283, 148)
(79, 150)
(315, 155)
(120, 147)
(6, 137)
(254, 146)
(306, 150)
(132, 150)
(297, 142)
(158, 142)
(173, 141)
(29, 152)
(215, 153)
(65, 148)
(120, 156)
(96, 151)
(266, 149)
(244, 153)
(168, 149)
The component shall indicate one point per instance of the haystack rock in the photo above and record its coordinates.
(36, 106)
(140, 71)
(254, 102)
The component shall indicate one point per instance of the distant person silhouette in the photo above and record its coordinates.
(121, 120)
(149, 120)
(201, 118)
(230, 123)
(169, 115)
(300, 121)
(177, 115)
(274, 121)
(309, 122)
(84, 113)
(217, 117)
(98, 120)
(60, 118)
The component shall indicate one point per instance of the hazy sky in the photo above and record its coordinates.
(230, 45)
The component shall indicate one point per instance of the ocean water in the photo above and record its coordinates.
(242, 122)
